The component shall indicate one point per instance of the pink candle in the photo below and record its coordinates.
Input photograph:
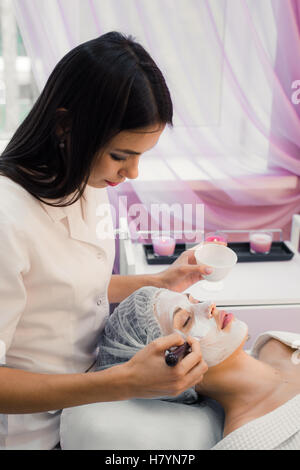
(260, 242)
(216, 237)
(163, 246)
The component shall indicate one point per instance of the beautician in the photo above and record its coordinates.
(105, 104)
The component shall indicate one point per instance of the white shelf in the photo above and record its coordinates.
(269, 283)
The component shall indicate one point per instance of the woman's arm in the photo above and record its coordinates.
(121, 287)
(28, 392)
(144, 375)
(183, 273)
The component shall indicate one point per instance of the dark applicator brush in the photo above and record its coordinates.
(173, 355)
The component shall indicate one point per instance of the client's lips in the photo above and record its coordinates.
(227, 318)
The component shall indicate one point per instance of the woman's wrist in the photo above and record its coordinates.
(121, 287)
(158, 280)
(113, 384)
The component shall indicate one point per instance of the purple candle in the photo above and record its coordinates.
(163, 246)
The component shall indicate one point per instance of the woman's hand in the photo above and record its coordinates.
(183, 273)
(149, 375)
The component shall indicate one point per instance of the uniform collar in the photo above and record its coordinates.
(81, 227)
(56, 213)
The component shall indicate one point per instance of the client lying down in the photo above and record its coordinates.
(259, 392)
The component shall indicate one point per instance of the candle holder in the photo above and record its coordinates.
(260, 242)
(163, 246)
(216, 237)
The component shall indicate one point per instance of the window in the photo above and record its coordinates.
(18, 90)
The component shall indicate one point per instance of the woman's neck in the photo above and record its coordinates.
(244, 387)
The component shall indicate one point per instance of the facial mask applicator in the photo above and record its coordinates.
(176, 353)
(173, 355)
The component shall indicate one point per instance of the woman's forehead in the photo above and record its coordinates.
(137, 141)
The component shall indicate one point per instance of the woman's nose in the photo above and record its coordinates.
(133, 173)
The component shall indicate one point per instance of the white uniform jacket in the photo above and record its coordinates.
(54, 274)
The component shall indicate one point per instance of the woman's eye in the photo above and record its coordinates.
(116, 157)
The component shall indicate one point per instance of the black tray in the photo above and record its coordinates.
(279, 252)
(153, 258)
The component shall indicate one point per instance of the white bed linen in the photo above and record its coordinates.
(141, 424)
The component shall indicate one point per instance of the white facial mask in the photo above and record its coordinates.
(202, 325)
(168, 301)
(216, 345)
(165, 305)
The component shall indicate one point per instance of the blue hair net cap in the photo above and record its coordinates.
(129, 329)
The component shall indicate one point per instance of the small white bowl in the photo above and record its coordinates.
(219, 257)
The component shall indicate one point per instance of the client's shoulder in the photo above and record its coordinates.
(283, 357)
(274, 349)
(278, 348)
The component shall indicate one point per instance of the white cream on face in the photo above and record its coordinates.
(216, 345)
(165, 304)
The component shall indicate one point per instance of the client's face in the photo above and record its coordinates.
(218, 332)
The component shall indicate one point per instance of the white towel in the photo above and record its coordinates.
(286, 337)
(277, 430)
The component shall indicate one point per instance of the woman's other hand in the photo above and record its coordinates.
(184, 272)
(149, 375)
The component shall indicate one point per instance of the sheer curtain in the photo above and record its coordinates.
(230, 67)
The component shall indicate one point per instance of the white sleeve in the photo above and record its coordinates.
(14, 263)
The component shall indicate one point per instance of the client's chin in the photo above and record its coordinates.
(230, 345)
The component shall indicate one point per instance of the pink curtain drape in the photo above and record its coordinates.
(235, 146)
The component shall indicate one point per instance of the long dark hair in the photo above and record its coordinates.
(98, 89)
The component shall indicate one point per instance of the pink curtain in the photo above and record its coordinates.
(285, 129)
(230, 67)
